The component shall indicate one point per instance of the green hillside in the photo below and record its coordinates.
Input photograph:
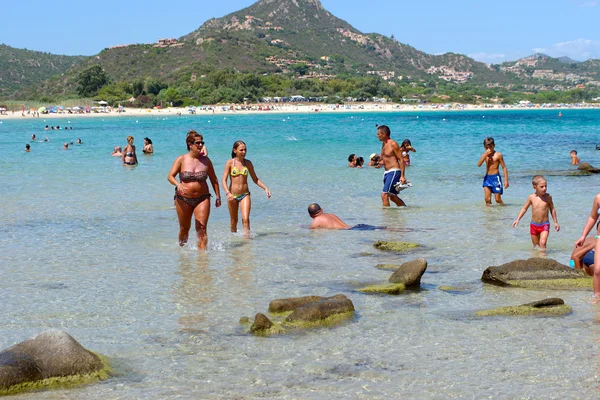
(21, 68)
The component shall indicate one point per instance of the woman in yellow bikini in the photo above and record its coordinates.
(237, 170)
(192, 196)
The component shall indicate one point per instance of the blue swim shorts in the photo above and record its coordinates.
(390, 178)
(494, 182)
(365, 227)
(588, 259)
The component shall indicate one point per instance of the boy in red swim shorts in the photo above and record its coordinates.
(541, 204)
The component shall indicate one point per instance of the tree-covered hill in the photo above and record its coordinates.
(20, 68)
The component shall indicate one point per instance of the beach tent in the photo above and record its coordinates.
(103, 103)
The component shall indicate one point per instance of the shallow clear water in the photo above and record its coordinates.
(90, 247)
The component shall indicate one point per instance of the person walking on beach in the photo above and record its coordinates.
(129, 157)
(541, 205)
(492, 183)
(393, 163)
(592, 219)
(192, 196)
(237, 170)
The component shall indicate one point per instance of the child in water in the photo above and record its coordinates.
(541, 204)
(492, 183)
(574, 159)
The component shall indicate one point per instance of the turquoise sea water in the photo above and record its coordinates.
(90, 247)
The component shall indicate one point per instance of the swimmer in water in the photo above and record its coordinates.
(322, 220)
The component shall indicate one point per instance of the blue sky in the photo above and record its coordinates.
(487, 31)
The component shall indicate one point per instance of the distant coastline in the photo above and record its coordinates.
(290, 109)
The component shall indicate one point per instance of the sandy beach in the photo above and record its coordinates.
(265, 109)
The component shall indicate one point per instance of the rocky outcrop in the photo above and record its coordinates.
(547, 307)
(537, 273)
(280, 306)
(52, 358)
(322, 312)
(398, 247)
(586, 167)
(410, 273)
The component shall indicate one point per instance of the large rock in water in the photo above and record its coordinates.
(410, 273)
(279, 306)
(51, 358)
(588, 168)
(322, 312)
(537, 272)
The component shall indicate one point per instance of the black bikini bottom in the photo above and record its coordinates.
(192, 202)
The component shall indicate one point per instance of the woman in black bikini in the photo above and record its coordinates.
(129, 157)
(238, 195)
(192, 197)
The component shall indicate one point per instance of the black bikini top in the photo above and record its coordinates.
(188, 176)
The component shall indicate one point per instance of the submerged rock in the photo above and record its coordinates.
(388, 266)
(537, 272)
(52, 358)
(549, 307)
(279, 306)
(410, 273)
(398, 247)
(321, 312)
(386, 288)
(454, 289)
(587, 167)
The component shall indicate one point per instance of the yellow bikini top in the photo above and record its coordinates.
(235, 172)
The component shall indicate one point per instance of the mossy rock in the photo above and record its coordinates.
(326, 322)
(577, 283)
(557, 310)
(390, 267)
(453, 289)
(62, 382)
(387, 288)
(398, 247)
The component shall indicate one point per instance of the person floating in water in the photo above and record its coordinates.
(492, 183)
(574, 159)
(322, 220)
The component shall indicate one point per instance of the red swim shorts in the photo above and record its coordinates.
(536, 228)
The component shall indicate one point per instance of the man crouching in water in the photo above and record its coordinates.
(323, 220)
(394, 167)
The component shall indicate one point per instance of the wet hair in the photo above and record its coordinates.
(385, 129)
(574, 151)
(129, 139)
(191, 138)
(313, 209)
(117, 149)
(148, 140)
(235, 146)
(406, 142)
(351, 157)
(488, 141)
(27, 146)
(360, 161)
(537, 180)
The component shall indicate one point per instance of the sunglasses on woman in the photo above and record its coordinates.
(199, 143)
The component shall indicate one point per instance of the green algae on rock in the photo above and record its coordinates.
(393, 267)
(52, 359)
(453, 289)
(584, 282)
(545, 307)
(386, 288)
(398, 247)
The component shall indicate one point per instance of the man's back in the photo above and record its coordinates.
(328, 221)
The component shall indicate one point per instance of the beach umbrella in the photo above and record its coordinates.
(41, 109)
(103, 103)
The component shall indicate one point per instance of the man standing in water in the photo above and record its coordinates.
(393, 163)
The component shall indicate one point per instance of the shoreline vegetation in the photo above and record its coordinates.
(266, 109)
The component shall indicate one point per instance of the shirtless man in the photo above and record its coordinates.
(492, 183)
(392, 160)
(323, 220)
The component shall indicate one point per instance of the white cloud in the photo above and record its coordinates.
(539, 50)
(578, 49)
(489, 58)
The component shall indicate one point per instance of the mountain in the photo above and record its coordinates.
(21, 68)
(303, 38)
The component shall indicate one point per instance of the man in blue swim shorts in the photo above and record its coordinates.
(391, 156)
(492, 183)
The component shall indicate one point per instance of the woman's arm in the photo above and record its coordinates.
(173, 173)
(255, 178)
(590, 221)
(226, 172)
(214, 182)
